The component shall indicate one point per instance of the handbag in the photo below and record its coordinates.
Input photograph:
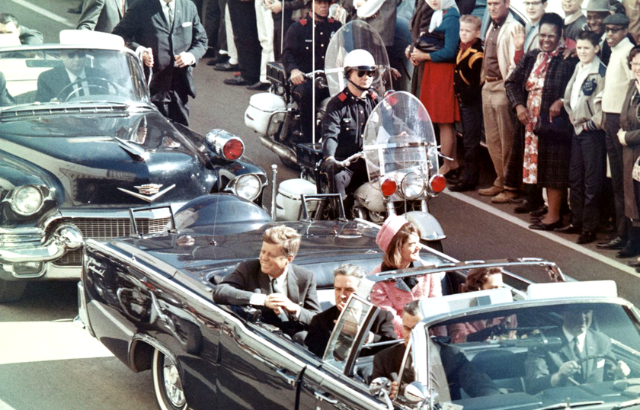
(429, 42)
(559, 129)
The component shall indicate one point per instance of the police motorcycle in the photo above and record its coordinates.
(275, 116)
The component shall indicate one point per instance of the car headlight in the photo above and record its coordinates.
(27, 200)
(412, 185)
(247, 186)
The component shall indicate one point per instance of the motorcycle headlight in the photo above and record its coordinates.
(27, 200)
(412, 185)
(247, 187)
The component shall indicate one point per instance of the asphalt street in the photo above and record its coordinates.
(47, 362)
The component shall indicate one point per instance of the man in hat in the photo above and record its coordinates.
(616, 84)
(597, 11)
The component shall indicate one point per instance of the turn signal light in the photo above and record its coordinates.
(233, 149)
(389, 187)
(437, 183)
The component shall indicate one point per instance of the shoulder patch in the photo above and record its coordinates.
(303, 22)
(342, 96)
(602, 69)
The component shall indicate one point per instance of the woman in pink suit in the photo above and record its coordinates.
(399, 240)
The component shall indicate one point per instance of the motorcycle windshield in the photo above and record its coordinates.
(400, 143)
(352, 36)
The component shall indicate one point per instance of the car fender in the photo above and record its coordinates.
(427, 224)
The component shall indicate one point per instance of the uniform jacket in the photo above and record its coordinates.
(467, 76)
(298, 44)
(553, 153)
(52, 82)
(588, 112)
(631, 151)
(506, 46)
(322, 325)
(144, 25)
(393, 296)
(238, 287)
(344, 123)
(541, 365)
(101, 15)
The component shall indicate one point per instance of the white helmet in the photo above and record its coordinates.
(359, 60)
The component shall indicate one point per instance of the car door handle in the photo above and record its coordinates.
(289, 378)
(321, 396)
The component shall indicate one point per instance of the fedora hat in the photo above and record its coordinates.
(598, 5)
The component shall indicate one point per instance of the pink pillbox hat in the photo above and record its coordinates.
(389, 229)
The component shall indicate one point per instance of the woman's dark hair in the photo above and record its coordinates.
(478, 277)
(634, 52)
(393, 256)
(592, 37)
(553, 19)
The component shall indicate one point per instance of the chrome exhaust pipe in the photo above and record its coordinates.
(274, 173)
(280, 149)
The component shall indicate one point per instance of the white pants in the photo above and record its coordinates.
(265, 35)
(231, 45)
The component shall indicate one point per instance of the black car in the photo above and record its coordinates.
(75, 157)
(149, 300)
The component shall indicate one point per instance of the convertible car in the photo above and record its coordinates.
(148, 299)
(76, 156)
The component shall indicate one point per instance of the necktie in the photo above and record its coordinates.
(170, 15)
(576, 348)
(275, 287)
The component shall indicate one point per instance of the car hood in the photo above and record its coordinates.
(97, 157)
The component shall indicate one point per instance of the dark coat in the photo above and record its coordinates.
(144, 25)
(553, 154)
(52, 82)
(540, 366)
(238, 287)
(101, 15)
(384, 21)
(322, 325)
(467, 76)
(629, 122)
(5, 97)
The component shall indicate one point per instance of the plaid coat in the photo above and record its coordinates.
(553, 154)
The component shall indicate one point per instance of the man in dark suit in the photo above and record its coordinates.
(102, 15)
(52, 82)
(457, 367)
(581, 359)
(169, 37)
(346, 279)
(285, 293)
(9, 25)
(5, 97)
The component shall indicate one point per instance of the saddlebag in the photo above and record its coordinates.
(265, 114)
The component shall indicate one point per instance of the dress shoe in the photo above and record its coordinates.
(75, 10)
(630, 250)
(237, 80)
(539, 212)
(541, 226)
(586, 237)
(615, 243)
(259, 86)
(226, 67)
(462, 186)
(453, 175)
(572, 229)
(491, 191)
(219, 59)
(524, 208)
(505, 197)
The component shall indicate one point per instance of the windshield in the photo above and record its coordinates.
(69, 76)
(541, 356)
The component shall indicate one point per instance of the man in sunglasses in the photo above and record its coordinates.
(51, 83)
(343, 124)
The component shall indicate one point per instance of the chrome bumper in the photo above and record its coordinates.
(65, 238)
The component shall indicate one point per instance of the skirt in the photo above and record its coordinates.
(436, 93)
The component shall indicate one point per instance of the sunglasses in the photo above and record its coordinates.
(612, 30)
(370, 73)
(79, 54)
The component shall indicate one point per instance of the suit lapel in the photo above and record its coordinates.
(292, 286)
(264, 282)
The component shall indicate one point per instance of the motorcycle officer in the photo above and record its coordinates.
(297, 58)
(344, 122)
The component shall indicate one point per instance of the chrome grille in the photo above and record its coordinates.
(107, 229)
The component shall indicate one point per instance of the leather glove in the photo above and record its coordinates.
(486, 333)
(330, 165)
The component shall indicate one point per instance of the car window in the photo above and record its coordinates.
(70, 76)
(517, 351)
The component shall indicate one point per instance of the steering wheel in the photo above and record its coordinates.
(97, 83)
(606, 358)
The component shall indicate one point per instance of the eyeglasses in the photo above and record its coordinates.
(612, 30)
(370, 73)
(74, 54)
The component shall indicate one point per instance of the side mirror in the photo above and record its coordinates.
(380, 386)
(415, 393)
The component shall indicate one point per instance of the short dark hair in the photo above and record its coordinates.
(476, 278)
(590, 36)
(553, 19)
(413, 308)
(634, 52)
(6, 18)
